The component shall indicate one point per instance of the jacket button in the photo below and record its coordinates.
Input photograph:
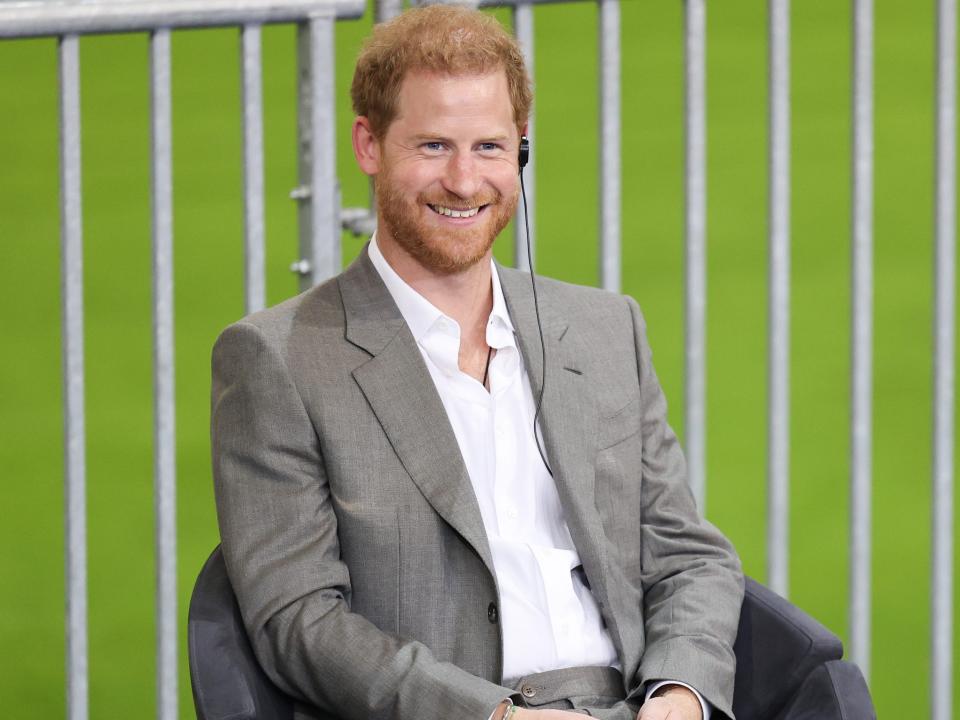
(528, 691)
(492, 613)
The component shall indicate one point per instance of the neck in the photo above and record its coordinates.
(466, 296)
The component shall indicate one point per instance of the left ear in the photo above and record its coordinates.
(366, 147)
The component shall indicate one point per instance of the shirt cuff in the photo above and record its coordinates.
(494, 711)
(705, 707)
(510, 703)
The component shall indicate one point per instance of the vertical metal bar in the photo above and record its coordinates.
(778, 428)
(253, 212)
(696, 246)
(610, 185)
(318, 216)
(387, 9)
(941, 687)
(384, 10)
(71, 299)
(862, 321)
(523, 29)
(163, 359)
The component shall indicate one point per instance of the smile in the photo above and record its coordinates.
(451, 212)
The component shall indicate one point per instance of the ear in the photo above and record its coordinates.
(366, 147)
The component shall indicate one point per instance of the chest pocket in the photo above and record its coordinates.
(619, 426)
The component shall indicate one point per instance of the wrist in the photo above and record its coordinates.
(683, 695)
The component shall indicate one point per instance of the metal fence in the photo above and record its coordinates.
(321, 219)
(69, 20)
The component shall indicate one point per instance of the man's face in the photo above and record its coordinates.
(447, 178)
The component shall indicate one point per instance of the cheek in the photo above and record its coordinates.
(419, 179)
(506, 181)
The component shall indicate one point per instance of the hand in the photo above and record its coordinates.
(671, 702)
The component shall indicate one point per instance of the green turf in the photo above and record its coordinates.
(208, 236)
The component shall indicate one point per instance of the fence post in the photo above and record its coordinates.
(778, 323)
(696, 247)
(164, 418)
(610, 175)
(71, 303)
(253, 211)
(387, 9)
(523, 29)
(320, 255)
(862, 323)
(941, 660)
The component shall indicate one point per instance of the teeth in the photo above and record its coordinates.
(455, 213)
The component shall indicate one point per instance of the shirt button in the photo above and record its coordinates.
(492, 613)
(528, 691)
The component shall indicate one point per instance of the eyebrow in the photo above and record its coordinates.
(423, 137)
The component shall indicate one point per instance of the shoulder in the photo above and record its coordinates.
(577, 303)
(317, 307)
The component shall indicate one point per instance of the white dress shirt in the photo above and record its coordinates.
(549, 617)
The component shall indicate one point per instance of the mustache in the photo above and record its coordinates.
(455, 202)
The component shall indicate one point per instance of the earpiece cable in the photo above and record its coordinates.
(543, 346)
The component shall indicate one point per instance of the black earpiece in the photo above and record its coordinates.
(524, 151)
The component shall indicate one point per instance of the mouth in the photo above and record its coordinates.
(456, 212)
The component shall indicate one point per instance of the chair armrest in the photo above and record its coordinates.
(777, 646)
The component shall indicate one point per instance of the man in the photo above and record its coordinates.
(402, 544)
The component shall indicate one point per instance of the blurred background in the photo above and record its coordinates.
(208, 236)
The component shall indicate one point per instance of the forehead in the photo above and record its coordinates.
(434, 102)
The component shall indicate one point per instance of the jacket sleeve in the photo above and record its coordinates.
(692, 581)
(279, 538)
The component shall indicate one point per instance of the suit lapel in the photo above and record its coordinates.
(402, 395)
(568, 418)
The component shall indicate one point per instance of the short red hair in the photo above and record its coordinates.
(445, 39)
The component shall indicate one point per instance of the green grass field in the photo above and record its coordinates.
(208, 238)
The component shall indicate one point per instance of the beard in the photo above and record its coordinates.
(445, 251)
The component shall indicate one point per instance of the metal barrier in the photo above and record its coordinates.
(69, 20)
(321, 219)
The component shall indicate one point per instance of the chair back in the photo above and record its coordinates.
(777, 647)
(227, 681)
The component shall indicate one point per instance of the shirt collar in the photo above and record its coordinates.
(421, 315)
(418, 312)
(500, 330)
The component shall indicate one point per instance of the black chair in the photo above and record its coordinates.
(788, 664)
(227, 681)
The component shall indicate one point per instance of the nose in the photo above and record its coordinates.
(462, 177)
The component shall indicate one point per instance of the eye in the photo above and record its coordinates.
(433, 146)
(488, 147)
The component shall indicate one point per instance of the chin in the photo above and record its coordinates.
(443, 250)
(446, 255)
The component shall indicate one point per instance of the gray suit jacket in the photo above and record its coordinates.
(352, 535)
